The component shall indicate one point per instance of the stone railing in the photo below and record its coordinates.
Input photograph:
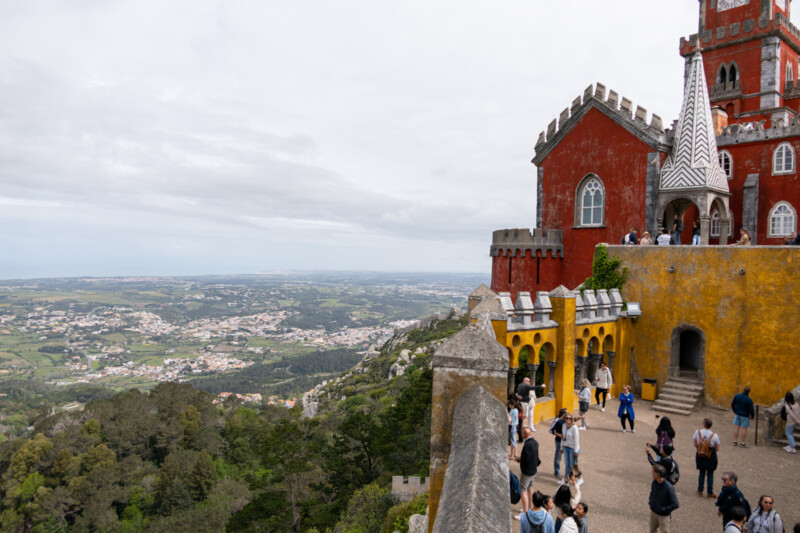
(469, 459)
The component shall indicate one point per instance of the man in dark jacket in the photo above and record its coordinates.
(742, 406)
(729, 497)
(662, 501)
(528, 464)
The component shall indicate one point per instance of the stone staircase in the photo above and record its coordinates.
(679, 396)
(783, 441)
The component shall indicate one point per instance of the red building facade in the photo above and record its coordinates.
(601, 165)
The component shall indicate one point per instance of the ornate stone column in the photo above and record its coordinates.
(512, 379)
(611, 356)
(725, 231)
(580, 366)
(551, 382)
(705, 226)
(532, 368)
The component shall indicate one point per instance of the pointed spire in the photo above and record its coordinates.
(693, 162)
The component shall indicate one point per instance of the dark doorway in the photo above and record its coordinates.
(691, 352)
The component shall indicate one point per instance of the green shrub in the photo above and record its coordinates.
(397, 517)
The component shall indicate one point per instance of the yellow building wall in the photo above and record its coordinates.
(746, 301)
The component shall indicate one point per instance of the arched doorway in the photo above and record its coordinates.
(688, 354)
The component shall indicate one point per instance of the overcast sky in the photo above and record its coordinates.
(221, 137)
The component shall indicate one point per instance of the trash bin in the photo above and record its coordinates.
(649, 389)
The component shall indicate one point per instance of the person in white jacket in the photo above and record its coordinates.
(603, 380)
(568, 523)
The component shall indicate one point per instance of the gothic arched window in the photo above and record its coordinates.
(591, 202)
(789, 73)
(722, 78)
(726, 162)
(733, 77)
(713, 229)
(783, 159)
(782, 220)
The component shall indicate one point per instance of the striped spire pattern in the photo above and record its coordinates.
(693, 162)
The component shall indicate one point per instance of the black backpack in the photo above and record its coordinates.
(535, 528)
(675, 475)
(783, 412)
(514, 486)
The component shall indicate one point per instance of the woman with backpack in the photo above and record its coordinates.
(764, 518)
(665, 459)
(706, 442)
(792, 410)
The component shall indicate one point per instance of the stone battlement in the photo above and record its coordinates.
(405, 489)
(739, 31)
(619, 109)
(758, 131)
(521, 240)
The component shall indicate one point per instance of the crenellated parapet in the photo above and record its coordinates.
(740, 31)
(620, 110)
(514, 242)
(758, 131)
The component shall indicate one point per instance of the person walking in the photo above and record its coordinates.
(557, 429)
(729, 497)
(743, 412)
(527, 397)
(792, 420)
(603, 380)
(664, 434)
(706, 442)
(626, 408)
(513, 419)
(584, 399)
(528, 464)
(663, 501)
(571, 445)
(764, 519)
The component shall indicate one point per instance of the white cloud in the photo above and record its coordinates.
(213, 136)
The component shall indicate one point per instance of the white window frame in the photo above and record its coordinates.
(785, 221)
(789, 72)
(780, 165)
(713, 225)
(725, 156)
(591, 180)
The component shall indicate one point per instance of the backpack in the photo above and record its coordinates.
(535, 528)
(675, 475)
(514, 485)
(626, 239)
(704, 449)
(783, 412)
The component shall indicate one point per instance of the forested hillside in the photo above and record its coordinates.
(172, 460)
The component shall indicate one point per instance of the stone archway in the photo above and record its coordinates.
(688, 352)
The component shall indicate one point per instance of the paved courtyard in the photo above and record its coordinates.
(617, 475)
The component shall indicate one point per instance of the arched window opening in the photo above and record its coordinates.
(726, 162)
(713, 229)
(782, 220)
(592, 201)
(789, 73)
(732, 77)
(722, 78)
(783, 160)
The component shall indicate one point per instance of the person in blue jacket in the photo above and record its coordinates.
(743, 413)
(537, 516)
(626, 408)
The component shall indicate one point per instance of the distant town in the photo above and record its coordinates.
(136, 332)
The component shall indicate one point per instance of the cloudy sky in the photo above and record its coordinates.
(211, 137)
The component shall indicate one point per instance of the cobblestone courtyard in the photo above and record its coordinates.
(617, 473)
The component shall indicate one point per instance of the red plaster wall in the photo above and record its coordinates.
(600, 146)
(524, 272)
(756, 158)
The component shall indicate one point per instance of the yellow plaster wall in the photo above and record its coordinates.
(750, 320)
